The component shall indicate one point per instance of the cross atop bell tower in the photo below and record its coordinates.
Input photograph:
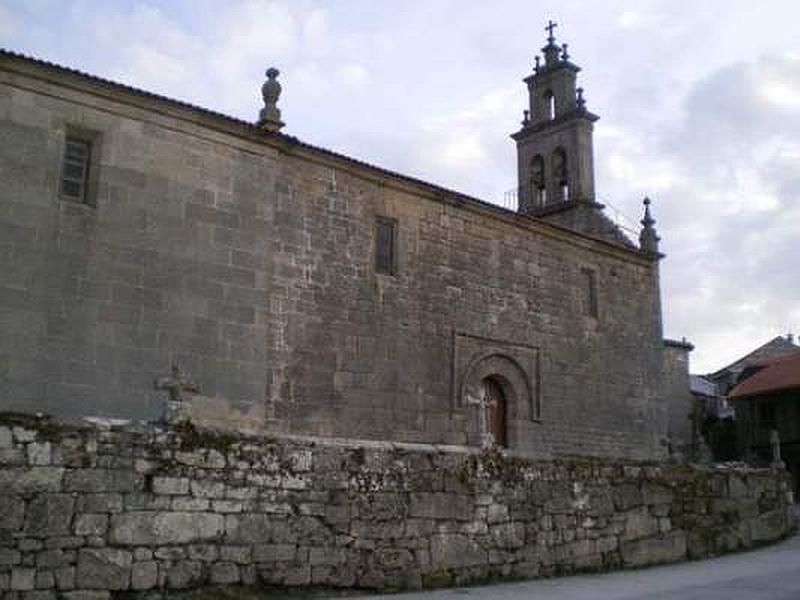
(554, 146)
(549, 29)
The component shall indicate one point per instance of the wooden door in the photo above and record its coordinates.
(497, 411)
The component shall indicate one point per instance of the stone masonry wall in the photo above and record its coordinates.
(678, 398)
(248, 259)
(90, 511)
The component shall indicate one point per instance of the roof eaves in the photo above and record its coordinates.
(679, 344)
(292, 141)
(776, 340)
(758, 393)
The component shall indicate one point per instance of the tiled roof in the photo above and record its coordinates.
(777, 346)
(701, 386)
(778, 374)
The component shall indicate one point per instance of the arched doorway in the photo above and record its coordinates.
(496, 408)
(499, 395)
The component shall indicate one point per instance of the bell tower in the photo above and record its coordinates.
(554, 147)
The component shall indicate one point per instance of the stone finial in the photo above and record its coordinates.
(270, 115)
(564, 53)
(536, 65)
(579, 99)
(648, 238)
(526, 118)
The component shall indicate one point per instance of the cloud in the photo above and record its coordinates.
(142, 47)
(735, 213)
(630, 19)
(354, 75)
(723, 167)
(316, 29)
(8, 23)
(249, 33)
(462, 150)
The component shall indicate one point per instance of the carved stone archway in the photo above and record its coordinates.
(512, 384)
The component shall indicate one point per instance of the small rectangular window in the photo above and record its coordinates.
(589, 283)
(75, 169)
(385, 242)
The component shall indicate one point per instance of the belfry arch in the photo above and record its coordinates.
(560, 174)
(538, 181)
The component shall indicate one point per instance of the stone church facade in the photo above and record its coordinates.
(311, 293)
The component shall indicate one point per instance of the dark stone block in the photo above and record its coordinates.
(49, 515)
(101, 480)
(229, 275)
(213, 216)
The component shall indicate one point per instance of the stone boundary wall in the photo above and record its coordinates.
(88, 511)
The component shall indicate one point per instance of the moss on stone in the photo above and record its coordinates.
(492, 462)
(463, 475)
(192, 438)
(46, 430)
(437, 579)
(239, 592)
(359, 456)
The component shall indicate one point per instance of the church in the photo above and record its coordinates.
(305, 292)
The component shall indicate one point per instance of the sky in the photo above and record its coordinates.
(699, 104)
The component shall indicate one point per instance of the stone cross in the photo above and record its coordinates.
(550, 26)
(775, 445)
(175, 384)
(483, 402)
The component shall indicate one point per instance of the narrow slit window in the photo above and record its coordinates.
(589, 292)
(549, 106)
(75, 169)
(385, 244)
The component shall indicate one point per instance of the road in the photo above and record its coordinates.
(771, 573)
